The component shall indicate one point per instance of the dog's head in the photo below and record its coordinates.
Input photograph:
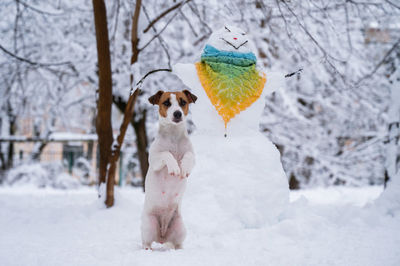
(173, 106)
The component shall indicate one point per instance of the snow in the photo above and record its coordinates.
(236, 208)
(338, 195)
(71, 227)
(40, 175)
(389, 202)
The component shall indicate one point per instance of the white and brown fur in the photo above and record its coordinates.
(171, 160)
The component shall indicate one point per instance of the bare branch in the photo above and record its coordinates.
(162, 30)
(163, 14)
(364, 3)
(325, 53)
(381, 62)
(134, 32)
(293, 73)
(202, 38)
(135, 37)
(160, 39)
(140, 82)
(296, 46)
(115, 21)
(188, 22)
(151, 72)
(348, 28)
(392, 4)
(195, 11)
(32, 62)
(38, 10)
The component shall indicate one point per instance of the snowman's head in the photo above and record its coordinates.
(230, 38)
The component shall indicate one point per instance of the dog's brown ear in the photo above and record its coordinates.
(156, 97)
(191, 97)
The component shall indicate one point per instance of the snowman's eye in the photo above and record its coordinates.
(227, 29)
(243, 34)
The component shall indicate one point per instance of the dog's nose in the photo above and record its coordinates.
(177, 114)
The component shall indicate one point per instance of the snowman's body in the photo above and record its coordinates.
(240, 173)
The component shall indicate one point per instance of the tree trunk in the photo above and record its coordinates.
(141, 136)
(89, 153)
(10, 155)
(38, 149)
(104, 101)
(393, 133)
(142, 144)
(116, 149)
(2, 161)
(110, 155)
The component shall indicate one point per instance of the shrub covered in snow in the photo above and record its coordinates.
(83, 170)
(41, 176)
(389, 201)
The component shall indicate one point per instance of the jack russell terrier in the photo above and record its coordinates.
(171, 159)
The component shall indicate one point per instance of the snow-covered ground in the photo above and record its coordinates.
(335, 226)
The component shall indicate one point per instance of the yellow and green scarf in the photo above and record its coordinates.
(230, 79)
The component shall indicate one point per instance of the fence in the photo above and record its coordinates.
(79, 158)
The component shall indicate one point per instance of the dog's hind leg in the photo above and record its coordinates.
(176, 231)
(165, 222)
(150, 230)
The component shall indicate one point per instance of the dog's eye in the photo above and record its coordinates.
(182, 102)
(167, 103)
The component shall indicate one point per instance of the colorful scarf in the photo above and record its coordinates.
(230, 79)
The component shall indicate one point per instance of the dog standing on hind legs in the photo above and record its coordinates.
(171, 159)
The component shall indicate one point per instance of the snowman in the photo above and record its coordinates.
(238, 180)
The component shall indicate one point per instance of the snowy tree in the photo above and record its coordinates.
(330, 122)
(44, 60)
(392, 147)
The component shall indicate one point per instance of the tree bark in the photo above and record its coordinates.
(10, 157)
(139, 126)
(11, 131)
(393, 134)
(104, 101)
(129, 110)
(2, 161)
(110, 155)
(134, 35)
(38, 151)
(141, 136)
(142, 144)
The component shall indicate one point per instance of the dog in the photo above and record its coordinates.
(171, 160)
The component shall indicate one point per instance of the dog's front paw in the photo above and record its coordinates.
(186, 169)
(185, 172)
(173, 168)
(187, 164)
